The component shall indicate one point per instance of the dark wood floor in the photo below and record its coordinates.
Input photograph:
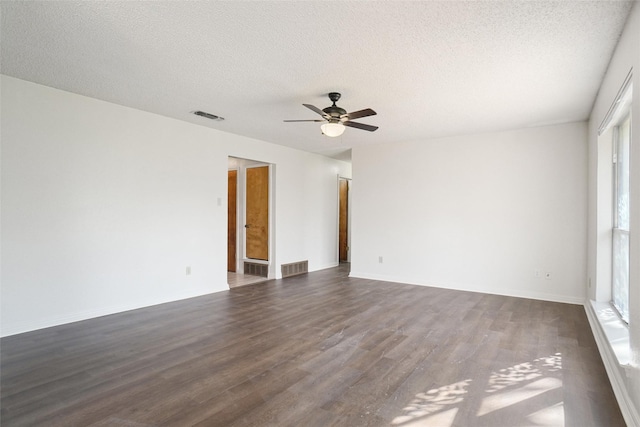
(314, 350)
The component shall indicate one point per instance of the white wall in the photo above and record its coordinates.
(480, 212)
(104, 207)
(626, 382)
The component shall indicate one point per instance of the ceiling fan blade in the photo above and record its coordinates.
(360, 126)
(316, 109)
(362, 113)
(318, 120)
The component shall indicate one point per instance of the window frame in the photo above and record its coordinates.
(624, 115)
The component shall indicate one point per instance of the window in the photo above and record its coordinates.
(621, 216)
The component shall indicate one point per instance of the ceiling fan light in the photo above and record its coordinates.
(332, 129)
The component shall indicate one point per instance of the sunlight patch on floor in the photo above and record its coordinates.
(515, 385)
(512, 397)
(433, 401)
(550, 416)
(444, 418)
(528, 371)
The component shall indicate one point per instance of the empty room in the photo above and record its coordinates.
(319, 213)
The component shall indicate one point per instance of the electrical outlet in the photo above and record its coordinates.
(188, 270)
(547, 275)
(536, 274)
(380, 259)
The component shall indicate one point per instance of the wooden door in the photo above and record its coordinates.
(343, 233)
(257, 225)
(232, 196)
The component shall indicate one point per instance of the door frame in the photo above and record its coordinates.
(241, 164)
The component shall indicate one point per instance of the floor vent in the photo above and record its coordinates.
(295, 268)
(256, 269)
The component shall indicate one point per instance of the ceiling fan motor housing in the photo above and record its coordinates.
(334, 111)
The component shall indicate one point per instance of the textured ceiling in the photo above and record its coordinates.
(429, 68)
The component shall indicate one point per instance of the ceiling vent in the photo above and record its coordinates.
(208, 116)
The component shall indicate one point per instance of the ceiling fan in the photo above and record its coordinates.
(337, 118)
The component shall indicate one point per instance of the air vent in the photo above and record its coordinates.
(255, 269)
(295, 268)
(208, 116)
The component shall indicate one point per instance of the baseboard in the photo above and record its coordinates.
(614, 370)
(33, 325)
(325, 266)
(493, 291)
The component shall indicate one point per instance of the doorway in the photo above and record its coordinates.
(250, 244)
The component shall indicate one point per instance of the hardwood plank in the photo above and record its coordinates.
(319, 349)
